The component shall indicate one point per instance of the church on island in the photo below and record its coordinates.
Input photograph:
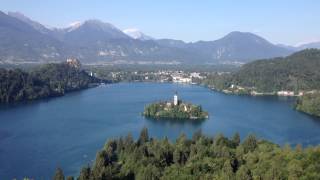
(175, 109)
(175, 101)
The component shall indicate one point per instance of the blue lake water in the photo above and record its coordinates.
(66, 132)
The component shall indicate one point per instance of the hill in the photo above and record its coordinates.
(45, 81)
(239, 46)
(297, 74)
(299, 71)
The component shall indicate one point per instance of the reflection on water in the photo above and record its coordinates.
(165, 122)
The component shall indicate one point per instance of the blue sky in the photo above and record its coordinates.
(280, 21)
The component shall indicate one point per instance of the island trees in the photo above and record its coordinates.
(167, 110)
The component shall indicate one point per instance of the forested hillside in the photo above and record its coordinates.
(201, 157)
(45, 81)
(299, 71)
(309, 103)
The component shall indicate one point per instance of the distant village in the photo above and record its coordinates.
(184, 77)
(196, 78)
(158, 76)
(236, 89)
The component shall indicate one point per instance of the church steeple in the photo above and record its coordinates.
(175, 99)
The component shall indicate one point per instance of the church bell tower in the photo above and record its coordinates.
(175, 99)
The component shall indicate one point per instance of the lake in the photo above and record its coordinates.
(66, 132)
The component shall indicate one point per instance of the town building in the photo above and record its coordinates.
(73, 62)
(285, 93)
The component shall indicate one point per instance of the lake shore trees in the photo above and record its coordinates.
(202, 157)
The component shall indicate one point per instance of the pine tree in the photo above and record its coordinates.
(59, 174)
(144, 136)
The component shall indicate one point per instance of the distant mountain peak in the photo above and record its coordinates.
(92, 32)
(137, 34)
(91, 23)
(96, 22)
(100, 24)
(37, 26)
(242, 34)
(74, 25)
(238, 33)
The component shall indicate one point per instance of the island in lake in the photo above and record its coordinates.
(175, 109)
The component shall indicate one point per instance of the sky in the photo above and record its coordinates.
(289, 22)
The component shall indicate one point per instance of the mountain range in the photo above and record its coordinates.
(95, 42)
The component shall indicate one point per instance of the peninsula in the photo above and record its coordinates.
(175, 109)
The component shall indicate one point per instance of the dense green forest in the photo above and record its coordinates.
(309, 103)
(217, 81)
(299, 71)
(201, 157)
(166, 110)
(44, 81)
